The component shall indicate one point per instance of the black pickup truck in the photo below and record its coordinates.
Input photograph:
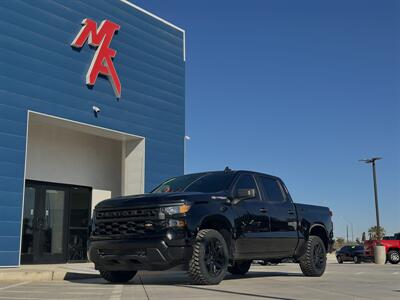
(208, 223)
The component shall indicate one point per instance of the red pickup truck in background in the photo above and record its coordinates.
(392, 247)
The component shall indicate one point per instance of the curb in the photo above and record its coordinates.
(44, 276)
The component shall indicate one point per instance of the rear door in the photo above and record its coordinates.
(283, 237)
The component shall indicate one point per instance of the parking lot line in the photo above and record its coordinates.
(24, 298)
(14, 285)
(116, 294)
(52, 292)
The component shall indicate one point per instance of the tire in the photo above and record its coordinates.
(313, 262)
(339, 259)
(239, 267)
(394, 257)
(357, 259)
(118, 276)
(210, 258)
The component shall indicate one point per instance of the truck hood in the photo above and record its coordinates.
(150, 199)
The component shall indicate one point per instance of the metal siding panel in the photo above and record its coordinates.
(8, 169)
(8, 184)
(9, 243)
(40, 71)
(9, 258)
(12, 141)
(10, 213)
(12, 127)
(10, 198)
(10, 229)
(12, 155)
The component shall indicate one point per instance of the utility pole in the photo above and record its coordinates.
(347, 233)
(372, 161)
(352, 233)
(351, 227)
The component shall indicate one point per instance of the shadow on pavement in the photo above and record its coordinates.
(74, 276)
(181, 278)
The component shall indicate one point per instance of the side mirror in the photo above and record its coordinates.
(243, 194)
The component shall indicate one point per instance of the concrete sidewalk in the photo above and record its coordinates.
(72, 271)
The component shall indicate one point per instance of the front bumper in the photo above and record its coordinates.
(137, 254)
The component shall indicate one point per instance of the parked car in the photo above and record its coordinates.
(392, 248)
(354, 253)
(209, 223)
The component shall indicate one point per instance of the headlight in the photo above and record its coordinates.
(178, 209)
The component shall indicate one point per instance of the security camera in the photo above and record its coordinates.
(96, 109)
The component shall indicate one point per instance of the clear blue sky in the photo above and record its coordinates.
(298, 89)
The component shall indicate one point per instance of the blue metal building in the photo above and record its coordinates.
(66, 143)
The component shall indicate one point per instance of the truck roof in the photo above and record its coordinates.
(235, 172)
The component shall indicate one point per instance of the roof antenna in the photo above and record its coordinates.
(227, 169)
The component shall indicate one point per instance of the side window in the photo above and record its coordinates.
(272, 189)
(246, 182)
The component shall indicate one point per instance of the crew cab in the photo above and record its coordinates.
(392, 248)
(208, 223)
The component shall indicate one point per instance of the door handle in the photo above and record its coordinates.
(263, 210)
(290, 212)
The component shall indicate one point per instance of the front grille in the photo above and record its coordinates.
(135, 213)
(128, 222)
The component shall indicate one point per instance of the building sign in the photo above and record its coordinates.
(102, 61)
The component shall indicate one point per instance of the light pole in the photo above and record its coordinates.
(372, 161)
(185, 139)
(351, 227)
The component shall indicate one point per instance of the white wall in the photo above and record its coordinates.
(61, 153)
(133, 167)
(56, 154)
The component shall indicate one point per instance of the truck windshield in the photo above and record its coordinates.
(202, 182)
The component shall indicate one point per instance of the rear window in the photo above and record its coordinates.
(272, 189)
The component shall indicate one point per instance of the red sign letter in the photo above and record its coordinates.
(102, 61)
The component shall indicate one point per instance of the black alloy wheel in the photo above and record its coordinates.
(357, 259)
(214, 257)
(210, 258)
(339, 259)
(313, 262)
(319, 256)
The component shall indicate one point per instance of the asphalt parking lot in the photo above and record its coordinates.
(285, 281)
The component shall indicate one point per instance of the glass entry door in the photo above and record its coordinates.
(48, 209)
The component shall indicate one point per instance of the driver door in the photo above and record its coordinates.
(253, 222)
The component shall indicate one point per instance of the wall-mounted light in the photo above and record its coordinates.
(96, 111)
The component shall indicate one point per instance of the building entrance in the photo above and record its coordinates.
(55, 222)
